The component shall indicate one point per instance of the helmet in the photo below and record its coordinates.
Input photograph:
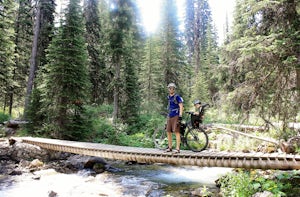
(196, 102)
(172, 85)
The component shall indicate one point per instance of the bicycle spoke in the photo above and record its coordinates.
(160, 138)
(197, 139)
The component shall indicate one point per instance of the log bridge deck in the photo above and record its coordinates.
(205, 158)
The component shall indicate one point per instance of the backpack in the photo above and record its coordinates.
(174, 100)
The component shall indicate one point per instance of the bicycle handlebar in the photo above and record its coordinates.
(205, 105)
(163, 113)
(190, 112)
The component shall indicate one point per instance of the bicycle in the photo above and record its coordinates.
(192, 134)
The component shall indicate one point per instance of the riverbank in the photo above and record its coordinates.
(28, 169)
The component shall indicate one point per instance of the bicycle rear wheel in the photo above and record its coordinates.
(196, 139)
(160, 138)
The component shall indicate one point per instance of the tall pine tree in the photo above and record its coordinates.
(95, 13)
(42, 38)
(122, 45)
(200, 38)
(7, 54)
(172, 53)
(66, 85)
(130, 102)
(150, 75)
(23, 42)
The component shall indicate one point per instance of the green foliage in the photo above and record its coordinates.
(102, 130)
(23, 41)
(46, 30)
(261, 184)
(245, 183)
(136, 140)
(150, 76)
(140, 135)
(79, 126)
(103, 110)
(200, 88)
(35, 116)
(146, 123)
(201, 49)
(66, 82)
(256, 78)
(7, 54)
(124, 52)
(261, 61)
(96, 16)
(236, 185)
(290, 180)
(173, 66)
(131, 97)
(297, 150)
(4, 117)
(205, 192)
(222, 114)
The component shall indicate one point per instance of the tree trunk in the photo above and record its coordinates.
(197, 36)
(33, 60)
(116, 90)
(11, 100)
(298, 78)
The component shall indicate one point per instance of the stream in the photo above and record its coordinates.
(134, 180)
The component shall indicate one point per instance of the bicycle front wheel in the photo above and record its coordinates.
(160, 138)
(196, 139)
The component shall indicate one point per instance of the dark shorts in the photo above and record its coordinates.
(172, 124)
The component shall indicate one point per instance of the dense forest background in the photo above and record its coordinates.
(93, 62)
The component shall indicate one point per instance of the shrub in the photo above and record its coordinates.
(4, 117)
(236, 184)
(247, 183)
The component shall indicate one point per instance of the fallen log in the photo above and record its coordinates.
(244, 127)
(14, 123)
(287, 147)
(295, 126)
(248, 135)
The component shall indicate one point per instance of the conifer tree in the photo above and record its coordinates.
(130, 103)
(200, 38)
(200, 88)
(189, 24)
(33, 58)
(198, 23)
(262, 55)
(7, 54)
(122, 43)
(46, 31)
(172, 54)
(118, 17)
(150, 75)
(66, 83)
(210, 62)
(95, 13)
(23, 36)
(44, 27)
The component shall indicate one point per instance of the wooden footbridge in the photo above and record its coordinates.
(150, 155)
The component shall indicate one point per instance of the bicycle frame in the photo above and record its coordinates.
(192, 136)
